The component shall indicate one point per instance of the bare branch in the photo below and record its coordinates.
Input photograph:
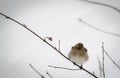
(48, 74)
(103, 60)
(101, 4)
(59, 45)
(100, 67)
(112, 60)
(106, 32)
(36, 71)
(63, 68)
(47, 43)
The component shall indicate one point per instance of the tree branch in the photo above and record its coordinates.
(47, 43)
(106, 32)
(100, 67)
(103, 60)
(63, 68)
(101, 4)
(36, 71)
(48, 74)
(59, 45)
(112, 60)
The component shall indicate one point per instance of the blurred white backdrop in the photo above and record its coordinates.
(56, 18)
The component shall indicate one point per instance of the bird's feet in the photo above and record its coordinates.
(74, 63)
(81, 67)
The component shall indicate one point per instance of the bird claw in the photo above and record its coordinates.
(81, 67)
(74, 63)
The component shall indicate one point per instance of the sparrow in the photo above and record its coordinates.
(78, 54)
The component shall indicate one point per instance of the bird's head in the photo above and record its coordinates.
(79, 46)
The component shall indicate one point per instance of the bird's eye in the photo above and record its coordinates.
(73, 47)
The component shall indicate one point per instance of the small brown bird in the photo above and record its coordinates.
(78, 54)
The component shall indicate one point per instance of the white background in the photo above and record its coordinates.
(56, 18)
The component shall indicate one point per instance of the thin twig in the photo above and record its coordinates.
(47, 43)
(63, 68)
(59, 45)
(36, 71)
(112, 60)
(110, 33)
(100, 67)
(101, 4)
(103, 60)
(48, 74)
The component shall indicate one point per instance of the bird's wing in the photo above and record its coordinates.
(85, 49)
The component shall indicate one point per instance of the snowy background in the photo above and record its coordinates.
(57, 18)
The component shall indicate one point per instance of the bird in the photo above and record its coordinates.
(78, 54)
